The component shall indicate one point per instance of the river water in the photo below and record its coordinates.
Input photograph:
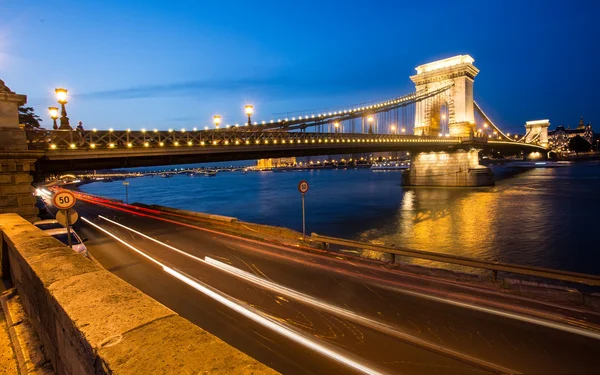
(541, 217)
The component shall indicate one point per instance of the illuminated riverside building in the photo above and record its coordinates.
(275, 163)
(559, 138)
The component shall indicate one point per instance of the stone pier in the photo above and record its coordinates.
(449, 169)
(16, 162)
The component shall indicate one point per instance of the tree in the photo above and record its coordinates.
(579, 144)
(29, 118)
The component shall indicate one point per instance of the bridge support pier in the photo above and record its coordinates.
(16, 163)
(449, 169)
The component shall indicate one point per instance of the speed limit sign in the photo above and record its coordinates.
(63, 200)
(303, 186)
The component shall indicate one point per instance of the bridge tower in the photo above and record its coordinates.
(16, 162)
(457, 73)
(537, 132)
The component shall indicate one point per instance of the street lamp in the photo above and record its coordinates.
(217, 120)
(53, 116)
(249, 110)
(370, 121)
(403, 130)
(393, 129)
(61, 95)
(337, 125)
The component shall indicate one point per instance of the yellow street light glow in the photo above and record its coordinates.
(247, 142)
(215, 143)
(110, 129)
(156, 130)
(146, 144)
(128, 130)
(170, 130)
(53, 146)
(93, 145)
(53, 112)
(161, 144)
(143, 130)
(183, 130)
(129, 145)
(61, 95)
(111, 145)
(249, 109)
(217, 120)
(370, 118)
(176, 143)
(195, 129)
(237, 142)
(403, 130)
(226, 142)
(189, 143)
(94, 130)
(202, 143)
(72, 145)
(206, 128)
(485, 124)
(336, 124)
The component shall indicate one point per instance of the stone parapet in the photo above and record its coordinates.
(92, 322)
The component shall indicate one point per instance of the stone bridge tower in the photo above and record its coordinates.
(457, 72)
(537, 132)
(16, 163)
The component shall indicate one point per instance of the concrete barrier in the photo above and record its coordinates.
(92, 322)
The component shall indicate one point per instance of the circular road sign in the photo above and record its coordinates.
(63, 200)
(61, 217)
(303, 186)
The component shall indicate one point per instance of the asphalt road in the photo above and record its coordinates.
(379, 319)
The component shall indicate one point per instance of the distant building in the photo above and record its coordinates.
(275, 163)
(559, 138)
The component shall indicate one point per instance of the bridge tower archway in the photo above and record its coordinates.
(457, 74)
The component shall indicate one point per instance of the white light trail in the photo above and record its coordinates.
(350, 315)
(448, 301)
(239, 308)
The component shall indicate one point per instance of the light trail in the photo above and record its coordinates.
(255, 316)
(352, 316)
(448, 301)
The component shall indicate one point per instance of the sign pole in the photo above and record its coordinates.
(303, 220)
(68, 228)
(303, 188)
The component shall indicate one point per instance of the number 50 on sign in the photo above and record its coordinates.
(63, 200)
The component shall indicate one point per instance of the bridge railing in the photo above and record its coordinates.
(495, 267)
(140, 139)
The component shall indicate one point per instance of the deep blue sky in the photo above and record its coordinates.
(176, 63)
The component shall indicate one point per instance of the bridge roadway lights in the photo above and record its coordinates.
(447, 169)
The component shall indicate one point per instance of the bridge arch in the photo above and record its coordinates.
(457, 74)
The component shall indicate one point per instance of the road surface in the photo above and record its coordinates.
(307, 313)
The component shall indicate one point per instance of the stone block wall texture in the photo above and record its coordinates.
(449, 169)
(92, 322)
(15, 187)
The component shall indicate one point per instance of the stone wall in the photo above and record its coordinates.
(15, 187)
(448, 169)
(92, 322)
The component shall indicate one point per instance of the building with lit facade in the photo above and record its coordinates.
(559, 138)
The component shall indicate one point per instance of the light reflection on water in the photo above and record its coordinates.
(543, 217)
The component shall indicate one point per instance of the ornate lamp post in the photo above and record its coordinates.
(393, 127)
(337, 125)
(61, 95)
(249, 110)
(370, 121)
(217, 121)
(53, 116)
